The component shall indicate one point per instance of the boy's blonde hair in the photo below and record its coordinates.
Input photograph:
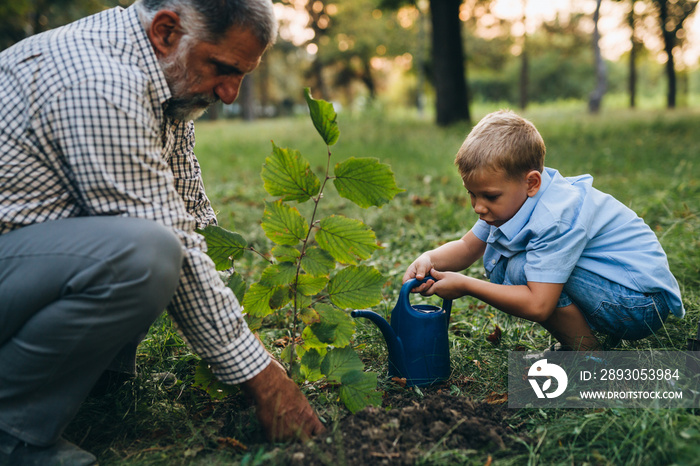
(501, 140)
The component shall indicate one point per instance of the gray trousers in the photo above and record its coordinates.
(74, 294)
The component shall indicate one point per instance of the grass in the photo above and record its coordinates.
(647, 159)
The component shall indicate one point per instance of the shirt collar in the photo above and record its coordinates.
(513, 226)
(148, 61)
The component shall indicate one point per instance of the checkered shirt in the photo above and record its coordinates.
(83, 134)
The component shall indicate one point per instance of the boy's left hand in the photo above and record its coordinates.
(448, 285)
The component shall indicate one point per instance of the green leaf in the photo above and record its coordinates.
(340, 361)
(356, 287)
(311, 364)
(254, 322)
(365, 181)
(309, 286)
(346, 239)
(278, 274)
(317, 262)
(286, 253)
(205, 379)
(302, 301)
(223, 246)
(359, 389)
(280, 297)
(335, 328)
(287, 174)
(309, 316)
(257, 300)
(324, 118)
(283, 224)
(237, 285)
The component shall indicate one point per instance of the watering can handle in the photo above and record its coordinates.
(412, 283)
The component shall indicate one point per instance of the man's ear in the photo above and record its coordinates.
(534, 181)
(165, 32)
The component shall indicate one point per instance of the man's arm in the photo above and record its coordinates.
(187, 173)
(116, 168)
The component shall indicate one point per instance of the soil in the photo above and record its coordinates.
(401, 434)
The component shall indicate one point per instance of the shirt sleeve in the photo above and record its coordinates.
(187, 173)
(481, 230)
(113, 147)
(554, 252)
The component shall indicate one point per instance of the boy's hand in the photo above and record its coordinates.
(447, 285)
(418, 270)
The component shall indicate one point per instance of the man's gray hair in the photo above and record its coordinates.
(209, 20)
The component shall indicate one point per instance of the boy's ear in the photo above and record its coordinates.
(534, 181)
(165, 32)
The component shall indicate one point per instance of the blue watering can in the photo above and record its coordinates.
(419, 350)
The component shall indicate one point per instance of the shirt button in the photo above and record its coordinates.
(493, 261)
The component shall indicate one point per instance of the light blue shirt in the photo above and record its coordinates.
(568, 224)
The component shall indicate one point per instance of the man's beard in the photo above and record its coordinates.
(183, 105)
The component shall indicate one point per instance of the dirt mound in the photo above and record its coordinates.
(401, 435)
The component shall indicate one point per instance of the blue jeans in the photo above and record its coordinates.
(74, 294)
(608, 307)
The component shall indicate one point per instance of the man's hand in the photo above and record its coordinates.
(281, 408)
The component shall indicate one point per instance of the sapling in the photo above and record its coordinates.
(314, 270)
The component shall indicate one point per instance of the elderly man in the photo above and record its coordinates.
(100, 195)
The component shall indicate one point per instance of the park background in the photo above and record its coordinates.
(613, 88)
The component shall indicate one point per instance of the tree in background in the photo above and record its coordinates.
(452, 98)
(595, 98)
(448, 59)
(672, 15)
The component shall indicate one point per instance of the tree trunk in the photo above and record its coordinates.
(452, 102)
(524, 79)
(246, 98)
(420, 63)
(524, 65)
(632, 85)
(669, 44)
(596, 97)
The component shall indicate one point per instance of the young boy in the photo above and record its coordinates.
(556, 250)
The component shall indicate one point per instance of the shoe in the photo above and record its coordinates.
(17, 453)
(556, 347)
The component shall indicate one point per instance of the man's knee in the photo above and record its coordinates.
(153, 262)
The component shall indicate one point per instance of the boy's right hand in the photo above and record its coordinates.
(418, 270)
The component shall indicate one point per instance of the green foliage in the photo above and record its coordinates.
(301, 277)
(223, 246)
(204, 379)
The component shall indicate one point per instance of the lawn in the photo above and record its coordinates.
(648, 160)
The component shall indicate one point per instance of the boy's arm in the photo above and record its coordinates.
(453, 256)
(535, 301)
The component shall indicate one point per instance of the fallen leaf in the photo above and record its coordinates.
(399, 381)
(497, 398)
(495, 337)
(421, 201)
(230, 442)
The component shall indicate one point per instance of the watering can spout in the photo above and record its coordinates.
(393, 343)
